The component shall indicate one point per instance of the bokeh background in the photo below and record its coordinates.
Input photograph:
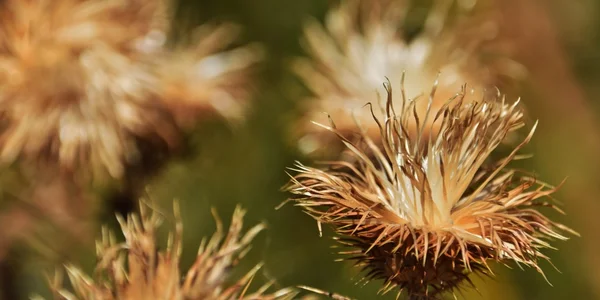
(244, 163)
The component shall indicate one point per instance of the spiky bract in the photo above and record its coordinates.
(83, 81)
(136, 269)
(424, 212)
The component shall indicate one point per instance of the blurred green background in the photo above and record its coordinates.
(245, 163)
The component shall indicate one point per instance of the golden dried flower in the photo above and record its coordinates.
(135, 269)
(363, 43)
(206, 78)
(81, 81)
(422, 218)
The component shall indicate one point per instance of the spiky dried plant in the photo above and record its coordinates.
(82, 81)
(364, 42)
(135, 269)
(422, 218)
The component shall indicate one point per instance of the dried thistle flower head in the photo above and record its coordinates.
(423, 218)
(82, 80)
(363, 43)
(206, 78)
(135, 269)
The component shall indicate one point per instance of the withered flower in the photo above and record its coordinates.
(81, 81)
(135, 269)
(422, 218)
(364, 42)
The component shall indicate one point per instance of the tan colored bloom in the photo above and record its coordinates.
(135, 269)
(206, 78)
(82, 80)
(423, 218)
(363, 43)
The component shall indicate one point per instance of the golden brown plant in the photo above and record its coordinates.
(422, 218)
(135, 269)
(82, 81)
(364, 42)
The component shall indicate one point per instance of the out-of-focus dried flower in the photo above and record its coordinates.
(135, 269)
(363, 43)
(207, 78)
(423, 218)
(82, 80)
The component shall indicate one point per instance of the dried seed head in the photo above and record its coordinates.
(422, 218)
(81, 81)
(363, 43)
(135, 269)
(206, 78)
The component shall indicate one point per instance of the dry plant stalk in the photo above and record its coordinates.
(422, 218)
(48, 215)
(363, 43)
(135, 269)
(82, 81)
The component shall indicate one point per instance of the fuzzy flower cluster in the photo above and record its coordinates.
(422, 213)
(135, 269)
(363, 42)
(83, 81)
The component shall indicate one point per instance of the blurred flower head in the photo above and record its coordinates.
(135, 269)
(364, 42)
(422, 218)
(82, 80)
